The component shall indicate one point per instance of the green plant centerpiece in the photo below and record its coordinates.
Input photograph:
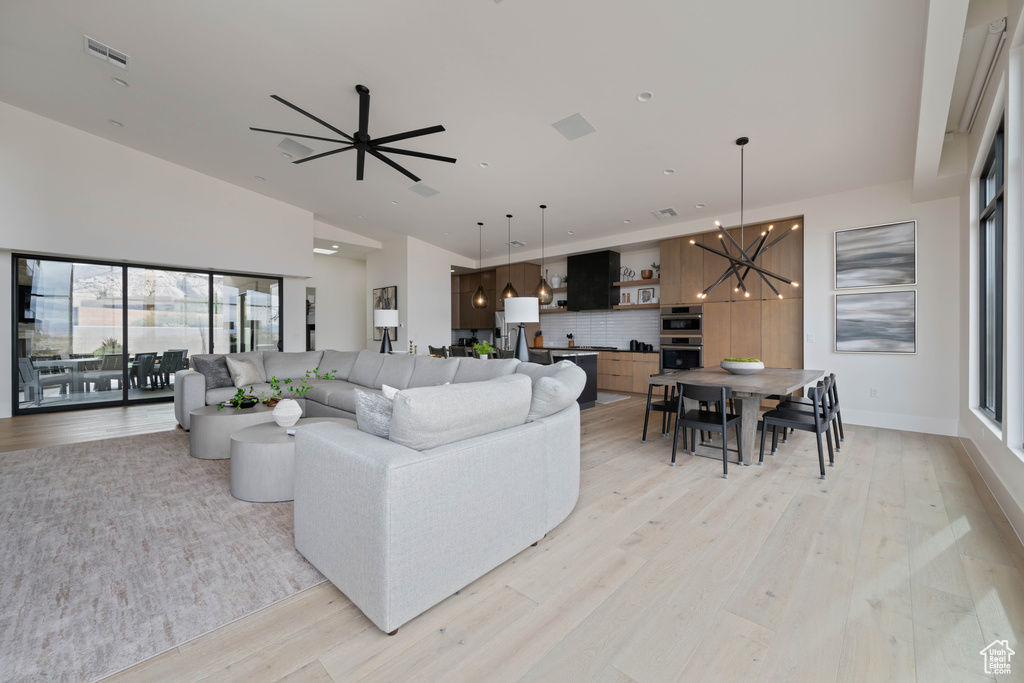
(242, 399)
(299, 390)
(742, 366)
(484, 348)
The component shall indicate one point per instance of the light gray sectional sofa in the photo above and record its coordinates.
(481, 460)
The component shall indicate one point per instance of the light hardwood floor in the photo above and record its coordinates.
(900, 566)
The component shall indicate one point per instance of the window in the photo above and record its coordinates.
(91, 333)
(990, 281)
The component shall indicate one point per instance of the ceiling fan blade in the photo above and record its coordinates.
(364, 108)
(297, 135)
(318, 120)
(409, 134)
(360, 164)
(392, 164)
(323, 154)
(422, 155)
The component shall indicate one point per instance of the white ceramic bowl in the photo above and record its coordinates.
(738, 368)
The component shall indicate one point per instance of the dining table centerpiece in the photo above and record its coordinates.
(742, 366)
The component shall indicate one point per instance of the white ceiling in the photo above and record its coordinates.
(829, 94)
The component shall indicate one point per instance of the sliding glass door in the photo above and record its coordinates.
(89, 334)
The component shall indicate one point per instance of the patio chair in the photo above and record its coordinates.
(34, 381)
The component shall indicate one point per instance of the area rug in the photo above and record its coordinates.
(114, 551)
(603, 397)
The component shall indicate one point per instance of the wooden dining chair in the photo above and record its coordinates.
(705, 420)
(817, 422)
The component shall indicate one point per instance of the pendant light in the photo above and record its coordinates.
(742, 259)
(509, 290)
(480, 296)
(543, 292)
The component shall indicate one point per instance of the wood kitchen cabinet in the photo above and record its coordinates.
(682, 271)
(469, 318)
(782, 324)
(717, 324)
(625, 370)
(785, 258)
(524, 277)
(456, 303)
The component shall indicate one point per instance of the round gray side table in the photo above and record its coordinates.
(263, 461)
(210, 436)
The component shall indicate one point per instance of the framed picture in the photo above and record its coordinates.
(385, 298)
(645, 295)
(877, 256)
(876, 322)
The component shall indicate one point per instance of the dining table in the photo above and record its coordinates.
(747, 392)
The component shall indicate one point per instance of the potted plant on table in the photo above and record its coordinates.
(483, 349)
(242, 399)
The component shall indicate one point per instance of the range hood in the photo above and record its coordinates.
(590, 281)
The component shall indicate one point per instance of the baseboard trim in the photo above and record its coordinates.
(1014, 513)
(910, 423)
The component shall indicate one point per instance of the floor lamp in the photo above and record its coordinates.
(386, 318)
(522, 310)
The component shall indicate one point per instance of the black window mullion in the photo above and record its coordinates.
(210, 311)
(125, 379)
(991, 249)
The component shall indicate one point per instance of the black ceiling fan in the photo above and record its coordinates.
(361, 141)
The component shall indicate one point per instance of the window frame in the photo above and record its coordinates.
(992, 213)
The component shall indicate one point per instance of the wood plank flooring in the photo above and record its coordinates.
(899, 567)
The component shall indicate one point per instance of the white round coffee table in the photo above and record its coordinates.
(210, 435)
(263, 461)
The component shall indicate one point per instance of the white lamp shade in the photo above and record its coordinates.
(385, 318)
(522, 309)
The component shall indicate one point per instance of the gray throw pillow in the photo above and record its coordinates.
(373, 413)
(215, 370)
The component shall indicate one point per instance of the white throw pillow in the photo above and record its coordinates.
(389, 392)
(373, 413)
(243, 372)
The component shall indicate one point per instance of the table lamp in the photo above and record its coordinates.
(386, 318)
(522, 310)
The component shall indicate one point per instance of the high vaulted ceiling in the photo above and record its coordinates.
(828, 92)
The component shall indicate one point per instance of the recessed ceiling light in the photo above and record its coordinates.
(627, 221)
(447, 233)
(700, 205)
(120, 81)
(334, 246)
(318, 250)
(259, 177)
(669, 171)
(359, 216)
(116, 123)
(484, 164)
(394, 202)
(571, 232)
(286, 155)
(645, 96)
(486, 249)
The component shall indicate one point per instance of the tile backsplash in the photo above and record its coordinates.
(602, 328)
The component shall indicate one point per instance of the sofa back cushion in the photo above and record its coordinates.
(338, 362)
(433, 372)
(365, 369)
(479, 369)
(396, 371)
(290, 365)
(427, 417)
(556, 391)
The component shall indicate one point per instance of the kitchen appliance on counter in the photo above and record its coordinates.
(681, 353)
(682, 320)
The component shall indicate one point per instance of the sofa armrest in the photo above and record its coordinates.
(399, 530)
(189, 394)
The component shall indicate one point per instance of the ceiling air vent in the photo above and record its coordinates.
(665, 213)
(516, 243)
(106, 53)
(424, 190)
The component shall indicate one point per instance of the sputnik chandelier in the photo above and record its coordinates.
(741, 259)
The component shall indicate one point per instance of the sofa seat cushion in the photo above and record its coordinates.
(366, 368)
(427, 417)
(433, 372)
(395, 371)
(342, 395)
(338, 362)
(290, 365)
(480, 370)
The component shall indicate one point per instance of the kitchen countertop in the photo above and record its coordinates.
(572, 352)
(578, 348)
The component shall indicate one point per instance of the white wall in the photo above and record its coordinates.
(384, 268)
(340, 302)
